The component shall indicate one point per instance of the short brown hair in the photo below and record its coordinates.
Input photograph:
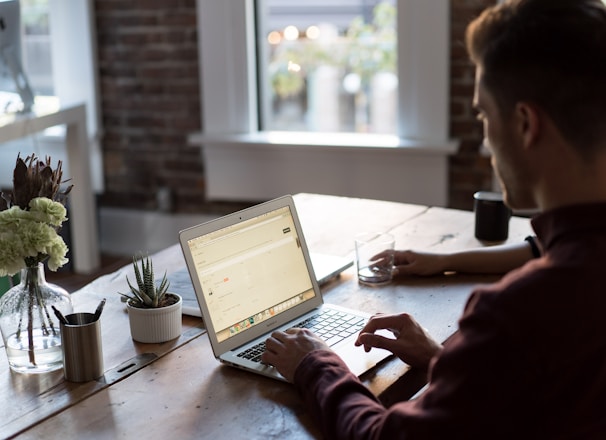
(551, 53)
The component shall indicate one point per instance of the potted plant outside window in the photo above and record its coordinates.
(154, 313)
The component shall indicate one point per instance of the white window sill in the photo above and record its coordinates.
(263, 165)
(328, 141)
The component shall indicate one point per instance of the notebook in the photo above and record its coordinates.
(326, 267)
(252, 274)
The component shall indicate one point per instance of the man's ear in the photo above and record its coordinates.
(528, 123)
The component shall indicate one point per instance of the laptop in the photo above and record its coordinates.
(252, 274)
(326, 268)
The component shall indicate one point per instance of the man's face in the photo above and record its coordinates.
(504, 142)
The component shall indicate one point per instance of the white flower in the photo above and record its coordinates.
(56, 252)
(32, 234)
(31, 215)
(50, 211)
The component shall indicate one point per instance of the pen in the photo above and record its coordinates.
(60, 316)
(99, 309)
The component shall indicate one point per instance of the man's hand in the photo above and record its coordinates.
(412, 344)
(286, 350)
(418, 263)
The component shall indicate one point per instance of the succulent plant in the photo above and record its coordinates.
(147, 294)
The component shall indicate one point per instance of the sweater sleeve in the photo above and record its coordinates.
(339, 402)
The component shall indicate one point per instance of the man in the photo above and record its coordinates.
(529, 359)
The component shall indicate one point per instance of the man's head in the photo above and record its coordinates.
(547, 57)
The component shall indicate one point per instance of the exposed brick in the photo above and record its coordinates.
(149, 80)
(469, 171)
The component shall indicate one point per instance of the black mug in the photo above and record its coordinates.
(492, 216)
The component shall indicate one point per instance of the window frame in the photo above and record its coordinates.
(74, 60)
(228, 68)
(242, 162)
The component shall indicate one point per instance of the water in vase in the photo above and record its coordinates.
(49, 355)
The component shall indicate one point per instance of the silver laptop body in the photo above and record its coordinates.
(326, 267)
(252, 275)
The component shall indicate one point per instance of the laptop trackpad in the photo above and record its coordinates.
(358, 360)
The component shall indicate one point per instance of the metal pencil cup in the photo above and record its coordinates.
(82, 351)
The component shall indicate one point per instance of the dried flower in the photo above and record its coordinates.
(31, 215)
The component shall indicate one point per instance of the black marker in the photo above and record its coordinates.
(99, 310)
(60, 316)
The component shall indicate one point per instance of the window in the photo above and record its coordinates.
(58, 58)
(245, 159)
(36, 45)
(57, 52)
(228, 63)
(327, 66)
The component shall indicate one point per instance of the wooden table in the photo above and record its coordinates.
(178, 389)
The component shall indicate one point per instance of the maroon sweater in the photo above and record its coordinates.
(528, 361)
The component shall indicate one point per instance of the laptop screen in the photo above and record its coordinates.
(251, 271)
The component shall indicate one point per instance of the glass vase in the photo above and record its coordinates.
(30, 328)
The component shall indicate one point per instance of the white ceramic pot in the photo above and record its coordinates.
(155, 325)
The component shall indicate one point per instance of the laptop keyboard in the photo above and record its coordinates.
(331, 325)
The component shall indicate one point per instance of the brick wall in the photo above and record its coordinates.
(149, 84)
(149, 88)
(469, 170)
